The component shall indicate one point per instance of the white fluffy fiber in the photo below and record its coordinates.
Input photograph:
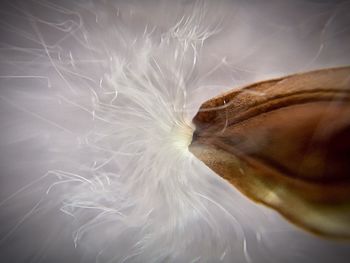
(96, 113)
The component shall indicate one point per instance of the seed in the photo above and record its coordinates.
(285, 143)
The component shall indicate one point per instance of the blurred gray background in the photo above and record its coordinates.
(257, 40)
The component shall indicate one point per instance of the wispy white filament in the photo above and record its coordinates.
(142, 198)
(145, 190)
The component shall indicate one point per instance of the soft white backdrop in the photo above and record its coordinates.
(95, 102)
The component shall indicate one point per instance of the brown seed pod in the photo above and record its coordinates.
(285, 143)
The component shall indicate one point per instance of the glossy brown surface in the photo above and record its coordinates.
(285, 143)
